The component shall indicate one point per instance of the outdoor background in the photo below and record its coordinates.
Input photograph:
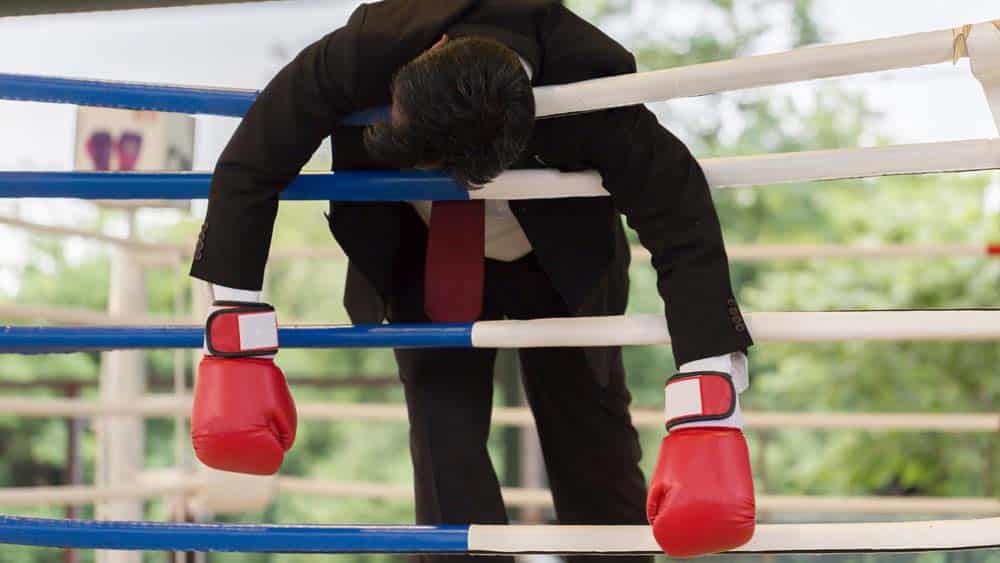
(244, 45)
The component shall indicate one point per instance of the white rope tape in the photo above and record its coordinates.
(839, 164)
(983, 46)
(798, 65)
(759, 170)
(765, 327)
(773, 538)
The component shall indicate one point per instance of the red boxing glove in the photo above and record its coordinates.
(701, 498)
(244, 417)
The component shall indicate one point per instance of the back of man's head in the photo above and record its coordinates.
(466, 107)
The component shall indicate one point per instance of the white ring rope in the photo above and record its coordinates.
(765, 327)
(840, 164)
(770, 169)
(798, 65)
(769, 538)
(984, 55)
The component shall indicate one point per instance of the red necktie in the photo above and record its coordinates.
(453, 282)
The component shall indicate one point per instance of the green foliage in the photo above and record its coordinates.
(806, 30)
(872, 377)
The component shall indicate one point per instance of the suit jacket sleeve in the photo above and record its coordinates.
(661, 189)
(654, 181)
(284, 127)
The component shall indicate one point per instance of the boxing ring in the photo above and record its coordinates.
(980, 43)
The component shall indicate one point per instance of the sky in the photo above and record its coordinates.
(242, 46)
(237, 46)
(938, 103)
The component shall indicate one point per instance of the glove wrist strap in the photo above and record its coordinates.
(241, 329)
(701, 398)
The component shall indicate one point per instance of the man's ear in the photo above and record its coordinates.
(440, 42)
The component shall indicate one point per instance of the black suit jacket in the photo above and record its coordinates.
(651, 176)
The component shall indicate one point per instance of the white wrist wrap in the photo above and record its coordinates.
(701, 399)
(236, 329)
(223, 293)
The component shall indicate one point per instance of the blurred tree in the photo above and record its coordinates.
(943, 377)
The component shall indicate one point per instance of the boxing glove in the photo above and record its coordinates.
(244, 417)
(701, 497)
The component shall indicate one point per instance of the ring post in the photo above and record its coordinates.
(120, 438)
(984, 53)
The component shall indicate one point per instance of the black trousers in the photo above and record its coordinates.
(590, 447)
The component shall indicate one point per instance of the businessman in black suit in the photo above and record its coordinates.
(458, 75)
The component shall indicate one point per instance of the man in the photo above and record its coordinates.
(458, 76)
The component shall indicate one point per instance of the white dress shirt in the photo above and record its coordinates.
(505, 239)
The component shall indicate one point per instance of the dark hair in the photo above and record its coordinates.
(466, 107)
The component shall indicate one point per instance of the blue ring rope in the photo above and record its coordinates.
(340, 186)
(49, 340)
(155, 536)
(148, 97)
